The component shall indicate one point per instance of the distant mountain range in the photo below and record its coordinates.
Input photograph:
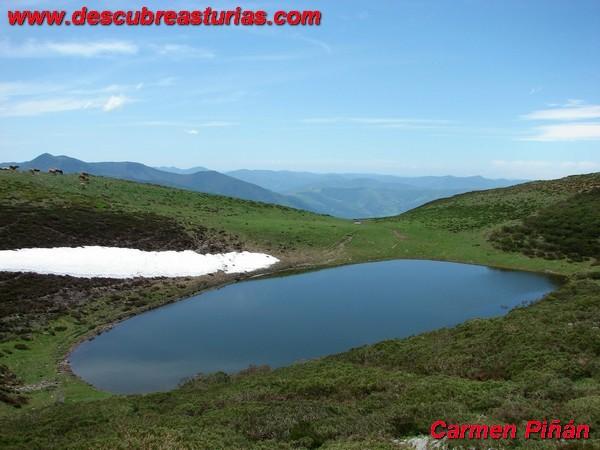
(341, 195)
(365, 195)
(182, 171)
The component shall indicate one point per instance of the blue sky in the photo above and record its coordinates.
(505, 88)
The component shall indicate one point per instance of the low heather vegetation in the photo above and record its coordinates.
(569, 229)
(28, 226)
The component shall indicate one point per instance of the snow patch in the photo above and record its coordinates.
(114, 262)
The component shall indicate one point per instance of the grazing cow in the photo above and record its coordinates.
(55, 171)
(13, 168)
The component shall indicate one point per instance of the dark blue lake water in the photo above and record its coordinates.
(278, 321)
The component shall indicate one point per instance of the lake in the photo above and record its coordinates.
(278, 321)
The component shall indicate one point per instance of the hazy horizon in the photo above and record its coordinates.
(339, 172)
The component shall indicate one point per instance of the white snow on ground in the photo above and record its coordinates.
(114, 262)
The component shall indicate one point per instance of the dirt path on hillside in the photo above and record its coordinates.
(399, 236)
(336, 251)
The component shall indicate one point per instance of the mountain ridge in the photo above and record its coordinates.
(345, 195)
(187, 171)
(209, 181)
(356, 195)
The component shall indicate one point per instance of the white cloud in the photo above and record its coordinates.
(384, 122)
(544, 169)
(216, 124)
(37, 106)
(187, 124)
(535, 90)
(90, 49)
(164, 82)
(182, 51)
(579, 131)
(157, 123)
(33, 98)
(114, 102)
(574, 122)
(189, 127)
(34, 48)
(569, 112)
(85, 89)
(22, 88)
(39, 49)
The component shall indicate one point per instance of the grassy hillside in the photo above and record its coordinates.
(483, 209)
(63, 199)
(538, 361)
(205, 180)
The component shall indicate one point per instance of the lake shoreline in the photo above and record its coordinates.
(286, 268)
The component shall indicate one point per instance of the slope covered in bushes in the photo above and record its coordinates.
(568, 229)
